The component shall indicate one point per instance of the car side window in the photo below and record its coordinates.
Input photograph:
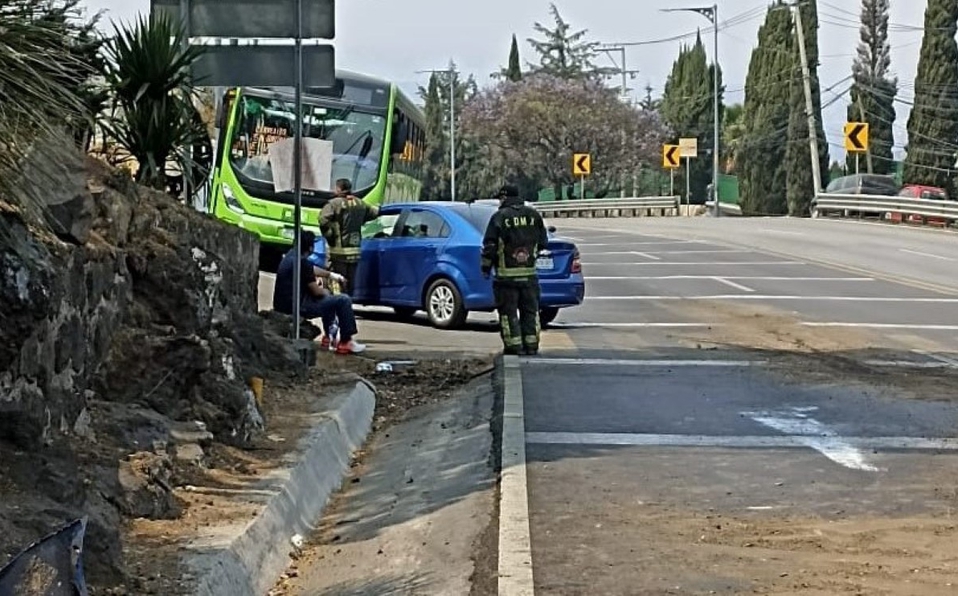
(383, 226)
(425, 224)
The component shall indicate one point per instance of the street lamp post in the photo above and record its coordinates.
(711, 13)
(452, 123)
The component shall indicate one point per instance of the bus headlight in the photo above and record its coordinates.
(231, 201)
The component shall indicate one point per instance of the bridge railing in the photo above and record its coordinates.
(619, 207)
(895, 208)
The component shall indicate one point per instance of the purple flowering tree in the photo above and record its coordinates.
(529, 130)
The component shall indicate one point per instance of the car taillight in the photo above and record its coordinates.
(576, 263)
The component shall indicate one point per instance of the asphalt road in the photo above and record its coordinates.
(744, 406)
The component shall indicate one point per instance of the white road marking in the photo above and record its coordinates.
(925, 254)
(650, 363)
(732, 284)
(786, 232)
(699, 264)
(939, 357)
(769, 297)
(652, 243)
(729, 277)
(645, 255)
(702, 252)
(575, 325)
(816, 435)
(515, 544)
(741, 442)
(878, 325)
(909, 364)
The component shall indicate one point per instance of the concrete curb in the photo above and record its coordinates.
(515, 545)
(247, 561)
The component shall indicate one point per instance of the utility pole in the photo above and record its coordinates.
(451, 72)
(711, 13)
(608, 49)
(809, 104)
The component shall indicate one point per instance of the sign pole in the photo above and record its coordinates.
(858, 169)
(688, 188)
(298, 172)
(582, 187)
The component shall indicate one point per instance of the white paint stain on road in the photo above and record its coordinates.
(798, 423)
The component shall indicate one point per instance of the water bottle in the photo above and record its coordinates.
(333, 334)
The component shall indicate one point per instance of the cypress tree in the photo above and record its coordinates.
(436, 166)
(799, 182)
(933, 124)
(514, 70)
(688, 105)
(873, 94)
(766, 116)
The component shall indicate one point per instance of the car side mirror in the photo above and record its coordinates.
(552, 229)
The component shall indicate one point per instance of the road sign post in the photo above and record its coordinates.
(581, 167)
(688, 148)
(263, 65)
(671, 160)
(856, 140)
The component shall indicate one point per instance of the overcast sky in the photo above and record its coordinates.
(395, 38)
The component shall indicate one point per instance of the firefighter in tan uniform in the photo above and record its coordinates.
(341, 222)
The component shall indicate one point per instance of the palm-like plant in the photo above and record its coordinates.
(38, 65)
(148, 71)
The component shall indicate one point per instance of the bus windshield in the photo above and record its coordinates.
(357, 138)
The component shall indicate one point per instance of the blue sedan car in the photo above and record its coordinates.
(425, 256)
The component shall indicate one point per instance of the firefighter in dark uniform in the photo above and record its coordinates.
(514, 238)
(341, 222)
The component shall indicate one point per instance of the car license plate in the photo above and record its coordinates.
(545, 263)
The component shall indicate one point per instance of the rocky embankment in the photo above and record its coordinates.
(128, 334)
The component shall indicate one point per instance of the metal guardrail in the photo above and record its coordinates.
(883, 206)
(627, 207)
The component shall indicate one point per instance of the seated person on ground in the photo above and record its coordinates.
(316, 301)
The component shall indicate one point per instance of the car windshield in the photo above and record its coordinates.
(356, 139)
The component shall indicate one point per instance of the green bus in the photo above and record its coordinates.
(377, 137)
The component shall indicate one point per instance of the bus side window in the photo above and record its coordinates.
(399, 133)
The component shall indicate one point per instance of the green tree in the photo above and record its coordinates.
(649, 103)
(562, 52)
(437, 142)
(800, 187)
(733, 135)
(436, 97)
(155, 119)
(688, 108)
(874, 91)
(761, 157)
(514, 70)
(933, 123)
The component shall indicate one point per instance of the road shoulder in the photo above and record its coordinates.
(414, 509)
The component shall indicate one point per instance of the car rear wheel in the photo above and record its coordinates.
(547, 315)
(444, 305)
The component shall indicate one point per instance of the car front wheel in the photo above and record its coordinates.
(547, 315)
(444, 305)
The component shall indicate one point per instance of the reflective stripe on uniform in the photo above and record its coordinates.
(516, 272)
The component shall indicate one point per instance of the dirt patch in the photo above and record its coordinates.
(789, 555)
